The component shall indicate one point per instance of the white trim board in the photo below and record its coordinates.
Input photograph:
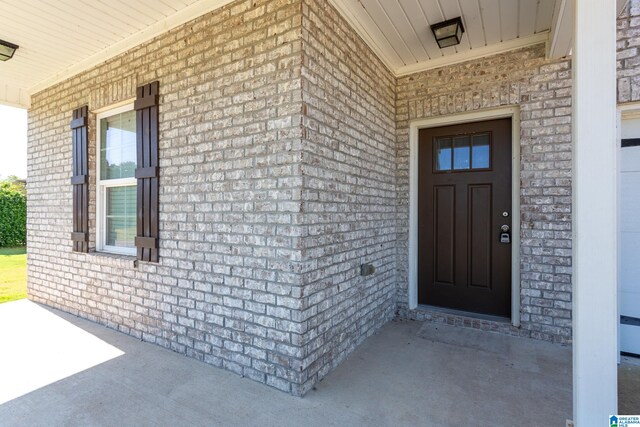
(183, 16)
(477, 53)
(14, 97)
(561, 35)
(629, 110)
(23, 105)
(512, 112)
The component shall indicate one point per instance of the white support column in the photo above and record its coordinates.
(595, 309)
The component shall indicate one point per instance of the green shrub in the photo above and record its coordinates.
(13, 213)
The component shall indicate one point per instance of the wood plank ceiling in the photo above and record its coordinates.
(399, 30)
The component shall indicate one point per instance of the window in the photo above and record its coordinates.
(463, 152)
(116, 182)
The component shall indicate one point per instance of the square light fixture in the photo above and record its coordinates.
(449, 32)
(7, 50)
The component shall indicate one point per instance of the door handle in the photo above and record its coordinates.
(505, 234)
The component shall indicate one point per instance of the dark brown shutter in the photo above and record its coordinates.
(146, 107)
(80, 181)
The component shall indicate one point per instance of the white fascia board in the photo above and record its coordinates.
(24, 106)
(477, 53)
(561, 36)
(183, 16)
(14, 96)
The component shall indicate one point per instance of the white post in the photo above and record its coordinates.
(595, 312)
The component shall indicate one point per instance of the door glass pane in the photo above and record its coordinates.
(481, 152)
(461, 153)
(443, 154)
(118, 146)
(121, 216)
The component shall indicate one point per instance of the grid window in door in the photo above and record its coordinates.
(116, 184)
(461, 153)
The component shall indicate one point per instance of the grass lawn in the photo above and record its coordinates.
(13, 274)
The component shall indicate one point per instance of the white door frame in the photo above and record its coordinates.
(512, 112)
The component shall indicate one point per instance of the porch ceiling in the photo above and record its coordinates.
(59, 38)
(399, 30)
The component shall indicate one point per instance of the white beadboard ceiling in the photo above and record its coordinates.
(60, 38)
(399, 30)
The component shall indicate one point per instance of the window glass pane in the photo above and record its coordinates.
(121, 216)
(461, 153)
(118, 146)
(481, 152)
(443, 154)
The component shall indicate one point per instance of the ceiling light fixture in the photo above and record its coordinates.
(449, 32)
(7, 50)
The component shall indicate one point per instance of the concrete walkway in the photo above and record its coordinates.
(408, 374)
(629, 386)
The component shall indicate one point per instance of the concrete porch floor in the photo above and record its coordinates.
(62, 370)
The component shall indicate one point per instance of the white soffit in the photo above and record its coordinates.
(399, 30)
(61, 38)
(561, 35)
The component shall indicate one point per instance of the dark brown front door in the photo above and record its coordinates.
(464, 201)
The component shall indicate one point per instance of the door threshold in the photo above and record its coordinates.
(633, 355)
(469, 314)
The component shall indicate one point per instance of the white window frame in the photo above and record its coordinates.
(102, 186)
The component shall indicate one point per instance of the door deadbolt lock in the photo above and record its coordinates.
(505, 234)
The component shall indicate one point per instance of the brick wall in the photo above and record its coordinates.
(542, 89)
(349, 189)
(284, 152)
(228, 283)
(629, 53)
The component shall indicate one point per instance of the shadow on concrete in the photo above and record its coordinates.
(410, 373)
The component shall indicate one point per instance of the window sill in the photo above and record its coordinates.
(126, 261)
